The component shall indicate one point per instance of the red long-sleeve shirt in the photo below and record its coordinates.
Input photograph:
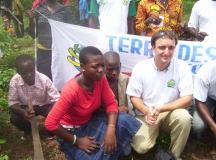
(76, 105)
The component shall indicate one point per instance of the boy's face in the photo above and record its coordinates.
(164, 50)
(27, 71)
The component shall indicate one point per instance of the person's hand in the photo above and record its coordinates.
(87, 144)
(109, 141)
(32, 14)
(153, 19)
(200, 36)
(28, 114)
(183, 26)
(123, 109)
(152, 115)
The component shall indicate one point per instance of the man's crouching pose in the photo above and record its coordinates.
(29, 83)
(160, 89)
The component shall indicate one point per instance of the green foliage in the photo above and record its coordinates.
(27, 4)
(3, 113)
(2, 141)
(163, 140)
(74, 6)
(5, 39)
(5, 77)
(4, 157)
(187, 8)
(10, 55)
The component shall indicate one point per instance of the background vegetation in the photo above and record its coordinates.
(26, 46)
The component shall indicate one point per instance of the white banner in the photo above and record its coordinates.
(69, 39)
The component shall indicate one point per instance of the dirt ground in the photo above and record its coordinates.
(18, 149)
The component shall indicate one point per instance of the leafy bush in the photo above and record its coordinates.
(4, 110)
(5, 77)
(5, 39)
(27, 4)
(163, 140)
(74, 6)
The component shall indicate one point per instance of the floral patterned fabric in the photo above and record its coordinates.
(172, 16)
(17, 7)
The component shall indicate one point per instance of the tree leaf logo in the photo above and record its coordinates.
(74, 58)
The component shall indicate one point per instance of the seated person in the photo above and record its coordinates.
(29, 83)
(160, 89)
(84, 135)
(205, 100)
(117, 81)
(153, 16)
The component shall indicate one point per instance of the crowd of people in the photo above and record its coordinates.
(90, 118)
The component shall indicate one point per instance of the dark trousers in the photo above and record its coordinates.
(44, 61)
(24, 125)
(19, 32)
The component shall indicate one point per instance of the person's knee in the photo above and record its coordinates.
(183, 117)
(143, 148)
(198, 125)
(127, 150)
(14, 119)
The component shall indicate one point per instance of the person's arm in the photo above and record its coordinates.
(51, 91)
(32, 14)
(151, 113)
(204, 112)
(65, 102)
(194, 22)
(85, 143)
(94, 12)
(92, 22)
(181, 27)
(143, 21)
(131, 25)
(14, 101)
(109, 140)
(200, 36)
(27, 114)
(182, 102)
(130, 19)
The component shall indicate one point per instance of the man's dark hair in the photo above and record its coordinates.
(163, 33)
(22, 58)
(86, 52)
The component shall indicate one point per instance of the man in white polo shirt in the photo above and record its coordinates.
(160, 89)
(203, 15)
(205, 98)
(113, 15)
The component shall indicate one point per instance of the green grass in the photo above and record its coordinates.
(187, 8)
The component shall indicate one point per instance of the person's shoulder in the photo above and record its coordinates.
(71, 87)
(179, 62)
(16, 79)
(39, 6)
(41, 76)
(144, 63)
(208, 68)
(124, 76)
(145, 2)
(200, 3)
